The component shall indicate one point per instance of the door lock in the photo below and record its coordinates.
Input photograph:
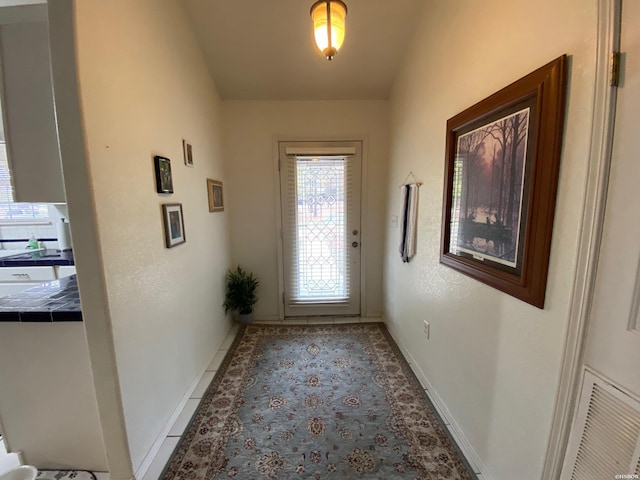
(354, 244)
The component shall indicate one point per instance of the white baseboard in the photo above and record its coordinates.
(153, 451)
(456, 431)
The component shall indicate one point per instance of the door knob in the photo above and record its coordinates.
(354, 244)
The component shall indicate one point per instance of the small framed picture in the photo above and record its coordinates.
(187, 149)
(173, 224)
(216, 199)
(164, 180)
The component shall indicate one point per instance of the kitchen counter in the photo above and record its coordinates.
(38, 258)
(57, 301)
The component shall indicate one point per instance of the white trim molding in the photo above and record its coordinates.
(634, 316)
(309, 142)
(590, 238)
(475, 462)
(161, 437)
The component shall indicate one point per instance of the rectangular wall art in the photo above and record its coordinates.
(216, 199)
(187, 150)
(173, 224)
(164, 180)
(502, 162)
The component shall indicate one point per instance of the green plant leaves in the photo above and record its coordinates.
(241, 291)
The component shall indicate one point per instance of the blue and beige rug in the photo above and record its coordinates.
(65, 475)
(316, 402)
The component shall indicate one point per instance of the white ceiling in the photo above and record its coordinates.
(264, 49)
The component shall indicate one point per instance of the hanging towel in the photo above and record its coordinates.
(408, 220)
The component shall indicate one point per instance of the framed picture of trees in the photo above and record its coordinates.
(501, 177)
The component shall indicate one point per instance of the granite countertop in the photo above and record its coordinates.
(38, 258)
(56, 301)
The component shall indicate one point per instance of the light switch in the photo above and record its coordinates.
(394, 221)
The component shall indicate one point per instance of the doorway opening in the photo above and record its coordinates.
(320, 186)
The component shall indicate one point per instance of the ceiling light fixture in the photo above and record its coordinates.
(328, 18)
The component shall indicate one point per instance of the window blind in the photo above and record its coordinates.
(10, 211)
(317, 207)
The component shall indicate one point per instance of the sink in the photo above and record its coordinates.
(25, 472)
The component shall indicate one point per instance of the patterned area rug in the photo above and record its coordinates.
(317, 402)
(65, 475)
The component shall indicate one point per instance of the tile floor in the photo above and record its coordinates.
(181, 423)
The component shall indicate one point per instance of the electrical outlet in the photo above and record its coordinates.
(426, 329)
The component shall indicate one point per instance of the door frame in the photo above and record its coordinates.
(593, 209)
(364, 230)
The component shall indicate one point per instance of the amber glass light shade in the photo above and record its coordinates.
(328, 18)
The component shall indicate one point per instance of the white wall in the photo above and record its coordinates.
(47, 401)
(249, 131)
(493, 360)
(144, 87)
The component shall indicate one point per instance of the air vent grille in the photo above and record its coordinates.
(606, 433)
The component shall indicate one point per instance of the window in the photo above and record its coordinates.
(9, 210)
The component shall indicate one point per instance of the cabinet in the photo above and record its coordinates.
(29, 114)
(64, 271)
(16, 279)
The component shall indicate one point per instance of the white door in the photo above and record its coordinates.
(605, 433)
(613, 342)
(320, 200)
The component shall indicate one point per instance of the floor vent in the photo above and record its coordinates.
(605, 437)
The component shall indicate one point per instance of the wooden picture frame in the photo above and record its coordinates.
(164, 179)
(215, 194)
(501, 178)
(173, 220)
(187, 151)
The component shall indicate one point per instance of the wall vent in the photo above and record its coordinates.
(605, 436)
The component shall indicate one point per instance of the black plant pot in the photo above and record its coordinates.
(244, 317)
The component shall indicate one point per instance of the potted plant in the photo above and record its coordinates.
(241, 294)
